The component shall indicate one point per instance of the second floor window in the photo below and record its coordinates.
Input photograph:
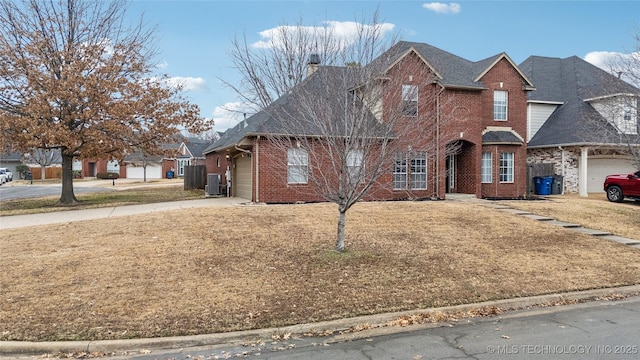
(410, 100)
(500, 105)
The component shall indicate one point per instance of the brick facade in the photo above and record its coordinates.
(449, 117)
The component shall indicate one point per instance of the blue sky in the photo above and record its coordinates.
(195, 36)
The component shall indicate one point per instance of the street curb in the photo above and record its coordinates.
(239, 337)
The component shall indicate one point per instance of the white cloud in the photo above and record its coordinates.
(162, 65)
(450, 8)
(188, 83)
(346, 31)
(228, 115)
(619, 64)
(604, 59)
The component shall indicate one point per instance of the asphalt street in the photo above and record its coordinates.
(594, 330)
(9, 192)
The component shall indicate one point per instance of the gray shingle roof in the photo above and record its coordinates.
(571, 81)
(265, 122)
(501, 137)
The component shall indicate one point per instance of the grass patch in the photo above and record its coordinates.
(593, 212)
(196, 271)
(100, 199)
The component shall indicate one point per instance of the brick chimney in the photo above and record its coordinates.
(313, 64)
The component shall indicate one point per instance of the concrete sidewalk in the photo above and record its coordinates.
(21, 221)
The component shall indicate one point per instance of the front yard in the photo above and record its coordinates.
(211, 270)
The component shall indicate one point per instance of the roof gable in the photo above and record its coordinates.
(571, 82)
(488, 64)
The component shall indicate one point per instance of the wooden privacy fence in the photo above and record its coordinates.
(195, 177)
(49, 173)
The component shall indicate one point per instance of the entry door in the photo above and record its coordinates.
(451, 172)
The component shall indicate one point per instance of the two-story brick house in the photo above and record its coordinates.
(473, 113)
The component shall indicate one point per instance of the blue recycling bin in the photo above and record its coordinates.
(170, 174)
(543, 184)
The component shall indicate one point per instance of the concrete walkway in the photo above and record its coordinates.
(634, 243)
(21, 221)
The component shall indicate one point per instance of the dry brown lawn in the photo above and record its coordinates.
(622, 219)
(242, 267)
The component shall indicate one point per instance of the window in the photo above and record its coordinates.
(419, 171)
(297, 166)
(76, 165)
(181, 164)
(410, 100)
(413, 177)
(506, 167)
(627, 112)
(354, 165)
(487, 167)
(113, 167)
(500, 105)
(400, 172)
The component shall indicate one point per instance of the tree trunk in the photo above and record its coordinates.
(67, 197)
(43, 172)
(342, 217)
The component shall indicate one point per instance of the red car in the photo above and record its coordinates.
(619, 187)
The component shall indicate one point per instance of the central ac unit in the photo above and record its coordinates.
(213, 185)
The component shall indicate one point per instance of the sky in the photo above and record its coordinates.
(195, 36)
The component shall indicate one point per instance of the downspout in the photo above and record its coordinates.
(562, 172)
(257, 158)
(438, 139)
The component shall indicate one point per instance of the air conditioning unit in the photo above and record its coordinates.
(213, 185)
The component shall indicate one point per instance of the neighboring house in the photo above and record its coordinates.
(579, 117)
(190, 153)
(185, 152)
(10, 160)
(486, 119)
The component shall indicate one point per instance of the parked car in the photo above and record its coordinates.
(3, 178)
(622, 186)
(7, 173)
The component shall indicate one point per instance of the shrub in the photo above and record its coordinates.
(107, 175)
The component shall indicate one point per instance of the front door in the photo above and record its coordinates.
(451, 173)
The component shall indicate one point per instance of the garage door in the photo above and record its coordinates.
(242, 177)
(599, 168)
(137, 172)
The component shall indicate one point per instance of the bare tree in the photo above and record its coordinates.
(44, 158)
(341, 113)
(75, 77)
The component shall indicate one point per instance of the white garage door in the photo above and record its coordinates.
(599, 168)
(242, 177)
(137, 172)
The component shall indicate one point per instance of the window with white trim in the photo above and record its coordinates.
(113, 166)
(400, 172)
(76, 165)
(500, 101)
(410, 171)
(354, 166)
(419, 171)
(410, 100)
(297, 166)
(487, 167)
(181, 164)
(506, 167)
